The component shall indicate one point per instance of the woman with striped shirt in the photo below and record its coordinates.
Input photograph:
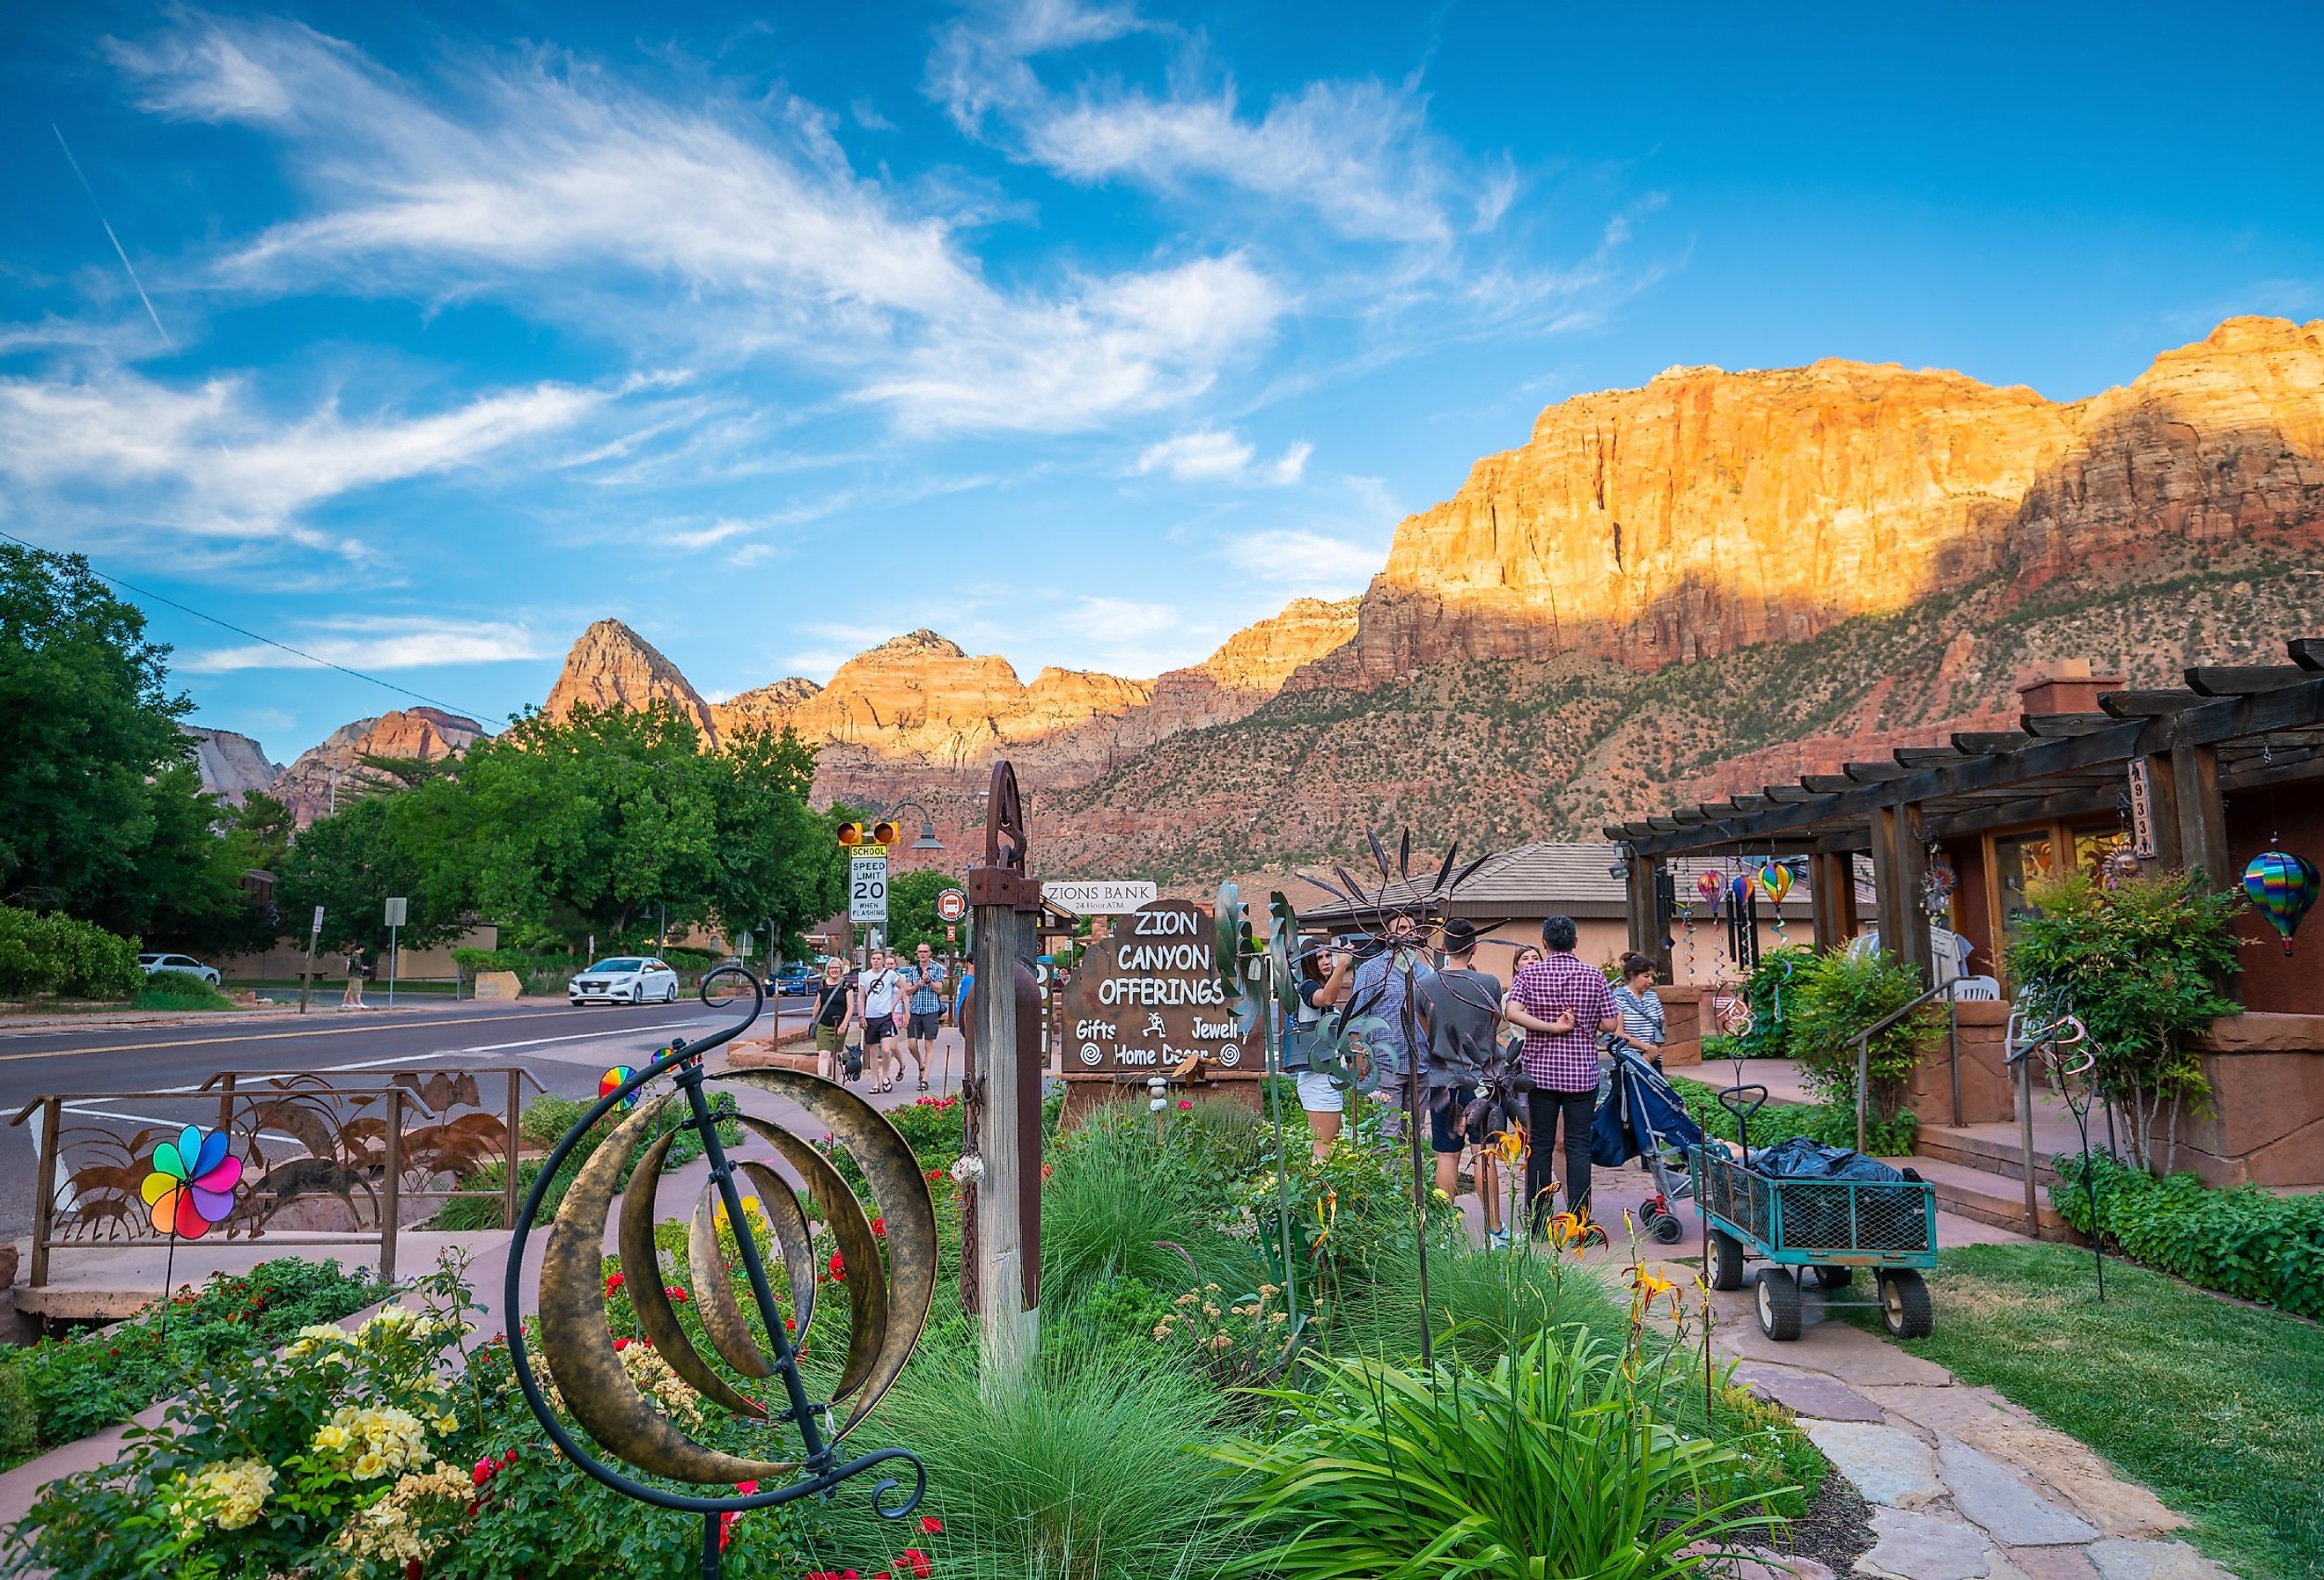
(1641, 1009)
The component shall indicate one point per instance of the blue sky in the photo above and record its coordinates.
(1082, 333)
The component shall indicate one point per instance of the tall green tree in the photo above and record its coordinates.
(373, 848)
(912, 919)
(602, 823)
(101, 812)
(774, 859)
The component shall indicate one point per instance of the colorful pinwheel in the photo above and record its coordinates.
(192, 1183)
(613, 1079)
(2282, 887)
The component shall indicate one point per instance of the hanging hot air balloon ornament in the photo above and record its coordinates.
(2282, 887)
(1774, 883)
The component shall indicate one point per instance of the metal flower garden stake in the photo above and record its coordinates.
(1398, 897)
(886, 1307)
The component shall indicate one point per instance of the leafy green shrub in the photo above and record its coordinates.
(1554, 1462)
(2139, 964)
(54, 954)
(1107, 1213)
(2246, 1242)
(71, 1387)
(1828, 1122)
(1482, 1304)
(546, 1119)
(1770, 992)
(179, 990)
(20, 1418)
(1834, 1000)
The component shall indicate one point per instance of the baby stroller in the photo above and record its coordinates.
(1640, 1116)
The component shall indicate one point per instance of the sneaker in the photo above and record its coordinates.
(1499, 1240)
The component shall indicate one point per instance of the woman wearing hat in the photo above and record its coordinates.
(1304, 1033)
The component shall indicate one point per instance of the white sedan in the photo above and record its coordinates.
(150, 964)
(626, 979)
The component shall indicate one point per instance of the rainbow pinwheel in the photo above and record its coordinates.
(192, 1183)
(613, 1079)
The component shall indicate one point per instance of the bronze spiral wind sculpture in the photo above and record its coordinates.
(887, 1308)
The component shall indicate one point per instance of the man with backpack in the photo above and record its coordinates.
(883, 994)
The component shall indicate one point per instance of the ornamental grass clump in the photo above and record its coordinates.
(1554, 1462)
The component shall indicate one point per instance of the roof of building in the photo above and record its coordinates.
(1549, 877)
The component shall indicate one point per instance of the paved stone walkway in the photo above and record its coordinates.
(1963, 1485)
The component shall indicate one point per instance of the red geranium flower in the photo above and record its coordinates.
(838, 1267)
(619, 1345)
(1183, 1103)
(674, 1293)
(879, 1225)
(931, 1526)
(748, 1489)
(917, 1561)
(486, 1468)
(613, 1282)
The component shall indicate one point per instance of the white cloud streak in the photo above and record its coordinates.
(1210, 455)
(376, 643)
(1302, 561)
(546, 182)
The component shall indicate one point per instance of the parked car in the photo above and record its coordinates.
(185, 963)
(795, 980)
(625, 979)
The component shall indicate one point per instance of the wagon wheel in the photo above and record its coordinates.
(1904, 1306)
(1777, 1299)
(1726, 1260)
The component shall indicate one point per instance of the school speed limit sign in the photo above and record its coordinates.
(867, 888)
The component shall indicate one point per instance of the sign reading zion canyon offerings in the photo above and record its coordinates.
(1147, 998)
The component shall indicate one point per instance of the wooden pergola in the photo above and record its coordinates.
(2180, 751)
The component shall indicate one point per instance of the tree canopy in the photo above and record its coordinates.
(102, 814)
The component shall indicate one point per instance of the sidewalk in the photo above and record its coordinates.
(1963, 1485)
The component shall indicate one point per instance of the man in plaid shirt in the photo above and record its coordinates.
(1562, 1005)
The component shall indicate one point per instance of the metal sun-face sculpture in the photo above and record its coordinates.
(888, 1304)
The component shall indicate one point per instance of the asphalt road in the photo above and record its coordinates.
(565, 1049)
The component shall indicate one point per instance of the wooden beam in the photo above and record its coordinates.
(1984, 742)
(2245, 680)
(2050, 726)
(1786, 795)
(2043, 809)
(1684, 816)
(1888, 911)
(2224, 719)
(1662, 824)
(1749, 803)
(1926, 756)
(1875, 772)
(2306, 652)
(2163, 811)
(2148, 704)
(1825, 784)
(1912, 946)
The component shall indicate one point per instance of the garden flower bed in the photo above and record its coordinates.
(1169, 1430)
(60, 1391)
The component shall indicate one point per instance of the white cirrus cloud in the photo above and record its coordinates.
(556, 188)
(212, 460)
(1211, 455)
(380, 642)
(1116, 622)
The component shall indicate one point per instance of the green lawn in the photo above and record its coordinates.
(2219, 1408)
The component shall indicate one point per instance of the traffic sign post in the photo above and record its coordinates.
(867, 885)
(306, 980)
(395, 913)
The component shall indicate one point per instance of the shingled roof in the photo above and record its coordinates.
(1549, 877)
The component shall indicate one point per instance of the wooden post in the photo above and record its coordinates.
(1912, 946)
(508, 1183)
(1887, 899)
(1004, 901)
(1662, 953)
(1639, 901)
(44, 1210)
(1823, 893)
(2202, 814)
(390, 1189)
(2163, 811)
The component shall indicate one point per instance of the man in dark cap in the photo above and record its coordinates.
(1462, 1011)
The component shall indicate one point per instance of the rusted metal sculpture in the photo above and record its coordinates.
(1397, 899)
(887, 1309)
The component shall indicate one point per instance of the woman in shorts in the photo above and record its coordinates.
(834, 1014)
(1303, 1035)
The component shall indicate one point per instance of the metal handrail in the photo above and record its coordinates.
(1864, 1050)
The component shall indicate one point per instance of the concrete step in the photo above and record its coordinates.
(1988, 1148)
(1987, 1197)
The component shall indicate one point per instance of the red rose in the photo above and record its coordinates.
(838, 1266)
(748, 1489)
(619, 1345)
(486, 1468)
(613, 1282)
(917, 1561)
(879, 1225)
(675, 1293)
(507, 1459)
(1183, 1103)
(931, 1526)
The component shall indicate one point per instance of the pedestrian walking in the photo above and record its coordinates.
(1562, 1004)
(356, 971)
(1380, 983)
(883, 991)
(1641, 1010)
(925, 984)
(1304, 1035)
(835, 1015)
(1460, 1009)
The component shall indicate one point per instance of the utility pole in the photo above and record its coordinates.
(306, 980)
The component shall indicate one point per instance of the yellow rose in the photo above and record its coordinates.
(331, 1439)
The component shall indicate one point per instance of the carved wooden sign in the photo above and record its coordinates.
(1145, 999)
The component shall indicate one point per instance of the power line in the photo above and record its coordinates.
(147, 592)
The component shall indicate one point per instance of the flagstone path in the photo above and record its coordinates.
(1963, 1485)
